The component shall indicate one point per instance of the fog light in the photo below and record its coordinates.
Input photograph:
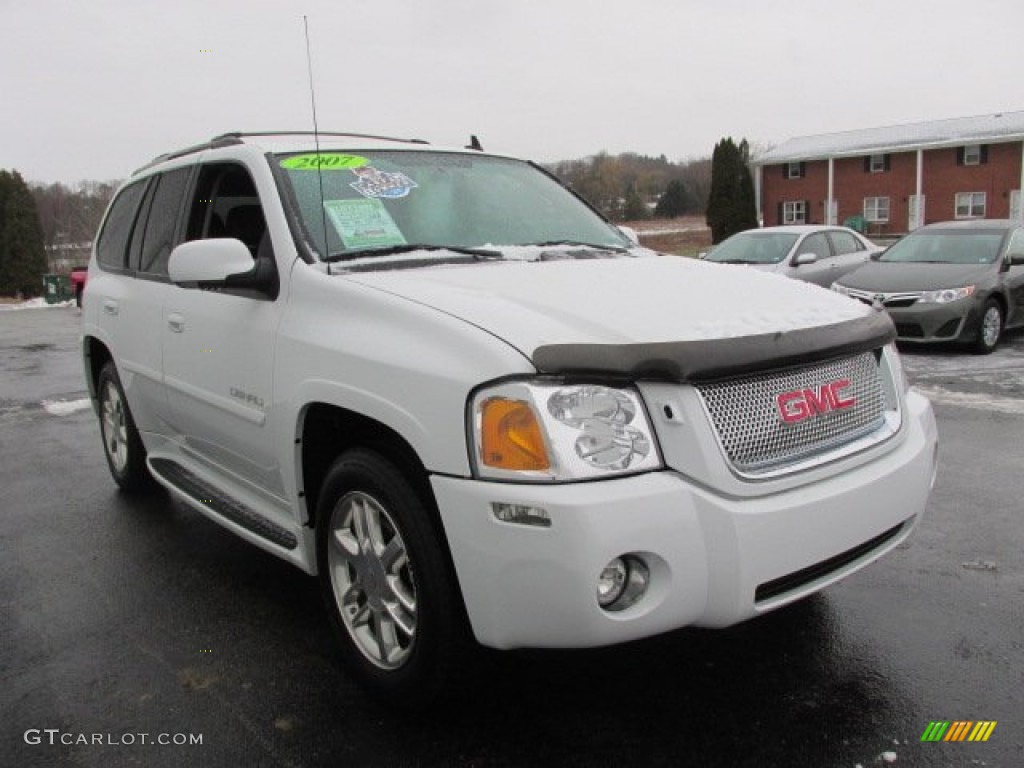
(611, 582)
(622, 583)
(521, 514)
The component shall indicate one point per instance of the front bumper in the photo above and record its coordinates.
(708, 554)
(931, 323)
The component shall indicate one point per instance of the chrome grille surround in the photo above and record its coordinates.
(899, 299)
(758, 443)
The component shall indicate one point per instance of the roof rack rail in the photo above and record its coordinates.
(235, 137)
(225, 140)
(240, 134)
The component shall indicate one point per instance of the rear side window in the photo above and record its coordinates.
(844, 242)
(113, 240)
(161, 222)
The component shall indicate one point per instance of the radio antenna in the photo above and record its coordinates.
(316, 137)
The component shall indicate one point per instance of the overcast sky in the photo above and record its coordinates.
(92, 90)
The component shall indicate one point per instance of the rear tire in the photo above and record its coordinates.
(990, 328)
(126, 456)
(387, 583)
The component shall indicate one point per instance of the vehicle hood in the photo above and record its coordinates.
(891, 276)
(667, 317)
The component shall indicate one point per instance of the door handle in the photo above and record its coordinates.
(176, 322)
(110, 307)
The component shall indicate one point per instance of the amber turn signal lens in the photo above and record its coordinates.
(511, 437)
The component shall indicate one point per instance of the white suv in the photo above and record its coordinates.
(476, 409)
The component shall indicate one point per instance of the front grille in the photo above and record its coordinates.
(888, 300)
(749, 419)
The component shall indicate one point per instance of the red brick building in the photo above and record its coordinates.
(964, 168)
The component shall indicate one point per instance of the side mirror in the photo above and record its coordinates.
(804, 258)
(876, 255)
(630, 233)
(209, 262)
(1016, 259)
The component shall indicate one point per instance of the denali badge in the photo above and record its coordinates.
(802, 404)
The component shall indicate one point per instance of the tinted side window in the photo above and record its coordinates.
(160, 225)
(844, 242)
(113, 240)
(226, 204)
(816, 244)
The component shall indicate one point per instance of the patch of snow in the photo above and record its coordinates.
(38, 303)
(978, 401)
(656, 232)
(889, 757)
(980, 565)
(65, 407)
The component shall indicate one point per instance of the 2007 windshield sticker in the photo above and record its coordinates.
(363, 223)
(375, 183)
(325, 161)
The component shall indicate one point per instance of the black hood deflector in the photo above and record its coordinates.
(709, 359)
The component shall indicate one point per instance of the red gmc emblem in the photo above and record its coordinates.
(802, 404)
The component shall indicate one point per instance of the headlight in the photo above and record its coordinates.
(946, 295)
(530, 432)
(840, 289)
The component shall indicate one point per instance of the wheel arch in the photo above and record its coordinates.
(95, 354)
(1000, 299)
(325, 431)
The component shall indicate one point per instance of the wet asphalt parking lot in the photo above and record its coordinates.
(122, 616)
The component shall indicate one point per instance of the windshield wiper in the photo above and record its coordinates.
(480, 254)
(595, 246)
(735, 261)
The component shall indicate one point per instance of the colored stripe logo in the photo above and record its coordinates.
(958, 730)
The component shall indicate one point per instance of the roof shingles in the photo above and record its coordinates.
(1003, 126)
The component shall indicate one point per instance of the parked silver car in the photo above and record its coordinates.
(816, 254)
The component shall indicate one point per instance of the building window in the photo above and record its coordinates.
(972, 154)
(795, 170)
(878, 163)
(876, 209)
(794, 212)
(970, 205)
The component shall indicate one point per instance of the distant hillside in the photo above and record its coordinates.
(629, 186)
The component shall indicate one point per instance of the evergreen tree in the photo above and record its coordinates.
(633, 207)
(22, 257)
(675, 200)
(731, 206)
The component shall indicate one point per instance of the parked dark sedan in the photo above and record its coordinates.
(954, 281)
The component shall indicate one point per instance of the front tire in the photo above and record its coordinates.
(990, 328)
(126, 456)
(388, 586)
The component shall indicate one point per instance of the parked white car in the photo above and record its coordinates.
(815, 254)
(477, 410)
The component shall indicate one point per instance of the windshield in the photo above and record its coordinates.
(754, 248)
(390, 201)
(947, 247)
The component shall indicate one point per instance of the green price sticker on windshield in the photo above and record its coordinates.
(325, 161)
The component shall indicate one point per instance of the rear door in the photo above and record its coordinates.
(1014, 280)
(850, 252)
(125, 313)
